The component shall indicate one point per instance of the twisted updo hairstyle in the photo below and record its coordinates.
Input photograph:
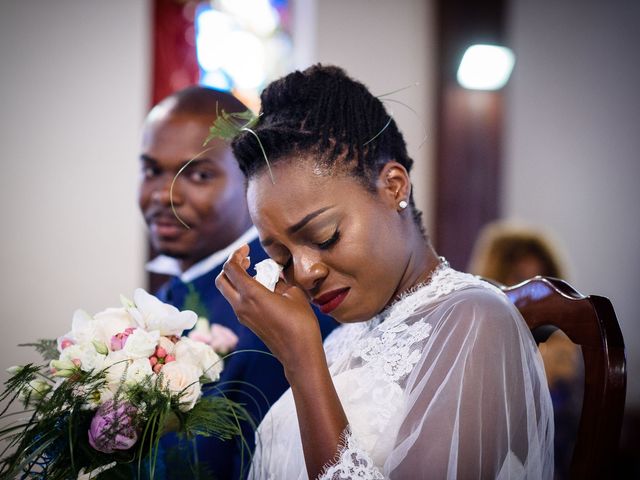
(323, 113)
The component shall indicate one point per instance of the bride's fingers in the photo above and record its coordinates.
(242, 251)
(238, 276)
(296, 294)
(227, 289)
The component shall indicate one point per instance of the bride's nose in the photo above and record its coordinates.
(309, 272)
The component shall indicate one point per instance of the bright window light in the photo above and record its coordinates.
(485, 67)
(242, 45)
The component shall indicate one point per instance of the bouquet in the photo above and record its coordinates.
(113, 385)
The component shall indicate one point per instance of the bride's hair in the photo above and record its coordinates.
(323, 113)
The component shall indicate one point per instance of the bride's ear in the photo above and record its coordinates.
(394, 185)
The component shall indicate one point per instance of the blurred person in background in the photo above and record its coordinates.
(509, 254)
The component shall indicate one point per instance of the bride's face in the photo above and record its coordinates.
(342, 244)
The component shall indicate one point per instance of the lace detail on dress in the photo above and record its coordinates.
(392, 354)
(443, 282)
(341, 339)
(351, 462)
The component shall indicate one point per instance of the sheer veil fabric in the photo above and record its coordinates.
(445, 383)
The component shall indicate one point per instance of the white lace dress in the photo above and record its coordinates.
(445, 383)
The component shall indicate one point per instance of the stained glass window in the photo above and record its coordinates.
(242, 45)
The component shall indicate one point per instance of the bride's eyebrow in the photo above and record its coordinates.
(299, 225)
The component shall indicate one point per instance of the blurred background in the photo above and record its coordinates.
(557, 147)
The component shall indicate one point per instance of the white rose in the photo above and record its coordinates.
(141, 344)
(112, 321)
(115, 364)
(183, 379)
(201, 355)
(138, 370)
(86, 354)
(268, 273)
(152, 314)
(83, 329)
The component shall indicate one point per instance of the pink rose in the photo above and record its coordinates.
(222, 339)
(112, 427)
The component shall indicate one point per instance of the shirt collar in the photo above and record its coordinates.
(166, 265)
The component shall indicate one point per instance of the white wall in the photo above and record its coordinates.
(386, 45)
(73, 92)
(573, 144)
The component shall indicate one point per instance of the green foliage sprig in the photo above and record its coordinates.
(228, 125)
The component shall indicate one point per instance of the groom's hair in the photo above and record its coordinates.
(324, 114)
(201, 101)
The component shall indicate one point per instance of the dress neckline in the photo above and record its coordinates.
(409, 294)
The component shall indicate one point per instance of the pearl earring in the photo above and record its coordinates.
(403, 204)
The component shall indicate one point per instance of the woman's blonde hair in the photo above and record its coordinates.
(500, 245)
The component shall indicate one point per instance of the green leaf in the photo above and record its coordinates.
(227, 125)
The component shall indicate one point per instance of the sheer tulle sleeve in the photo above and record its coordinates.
(476, 404)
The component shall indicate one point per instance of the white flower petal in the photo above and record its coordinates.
(141, 344)
(156, 315)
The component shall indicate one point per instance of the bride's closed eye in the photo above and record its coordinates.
(327, 244)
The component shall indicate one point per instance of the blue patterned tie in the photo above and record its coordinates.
(175, 292)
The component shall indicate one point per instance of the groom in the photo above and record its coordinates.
(195, 221)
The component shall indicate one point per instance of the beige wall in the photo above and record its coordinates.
(73, 92)
(573, 144)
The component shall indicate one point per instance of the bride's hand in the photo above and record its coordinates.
(283, 319)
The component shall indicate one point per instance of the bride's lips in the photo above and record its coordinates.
(329, 301)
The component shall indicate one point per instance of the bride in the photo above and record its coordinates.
(433, 373)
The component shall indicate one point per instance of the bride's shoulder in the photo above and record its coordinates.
(471, 303)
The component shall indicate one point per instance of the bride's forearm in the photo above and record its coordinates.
(320, 414)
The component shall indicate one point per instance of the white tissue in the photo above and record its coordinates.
(268, 273)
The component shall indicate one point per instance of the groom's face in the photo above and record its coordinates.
(192, 208)
(338, 241)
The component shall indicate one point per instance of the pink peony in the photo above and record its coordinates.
(119, 339)
(112, 427)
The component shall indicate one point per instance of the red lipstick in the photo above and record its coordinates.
(329, 301)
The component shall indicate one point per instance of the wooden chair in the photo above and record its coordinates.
(548, 304)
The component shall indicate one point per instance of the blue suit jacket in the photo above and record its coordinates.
(253, 379)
